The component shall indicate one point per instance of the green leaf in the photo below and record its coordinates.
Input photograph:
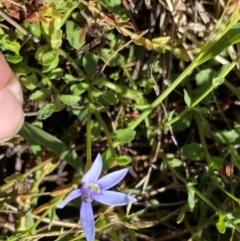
(30, 223)
(56, 73)
(187, 98)
(108, 98)
(216, 162)
(234, 215)
(52, 20)
(56, 39)
(193, 151)
(220, 224)
(231, 37)
(183, 123)
(69, 99)
(13, 58)
(46, 111)
(51, 66)
(33, 134)
(226, 136)
(112, 38)
(41, 51)
(70, 79)
(58, 105)
(73, 34)
(49, 57)
(124, 135)
(33, 28)
(205, 77)
(123, 160)
(110, 3)
(60, 5)
(80, 88)
(191, 195)
(90, 63)
(182, 213)
(17, 177)
(125, 91)
(204, 80)
(95, 130)
(171, 115)
(108, 159)
(175, 163)
(30, 81)
(9, 44)
(41, 94)
(81, 112)
(21, 69)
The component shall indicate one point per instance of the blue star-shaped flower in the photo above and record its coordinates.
(96, 189)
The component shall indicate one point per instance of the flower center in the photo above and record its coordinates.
(92, 187)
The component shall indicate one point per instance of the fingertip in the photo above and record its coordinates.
(11, 115)
(5, 72)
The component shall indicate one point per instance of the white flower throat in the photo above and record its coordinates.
(92, 187)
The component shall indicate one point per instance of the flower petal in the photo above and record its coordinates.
(93, 173)
(113, 198)
(87, 219)
(112, 179)
(72, 195)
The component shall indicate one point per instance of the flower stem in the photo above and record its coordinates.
(89, 139)
(106, 131)
(199, 120)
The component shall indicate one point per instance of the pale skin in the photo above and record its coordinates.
(11, 100)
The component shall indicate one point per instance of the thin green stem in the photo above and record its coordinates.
(199, 121)
(204, 94)
(106, 131)
(89, 138)
(129, 77)
(227, 193)
(177, 117)
(235, 90)
(132, 234)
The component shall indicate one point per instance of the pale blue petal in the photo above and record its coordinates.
(112, 198)
(93, 173)
(112, 179)
(72, 195)
(87, 219)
